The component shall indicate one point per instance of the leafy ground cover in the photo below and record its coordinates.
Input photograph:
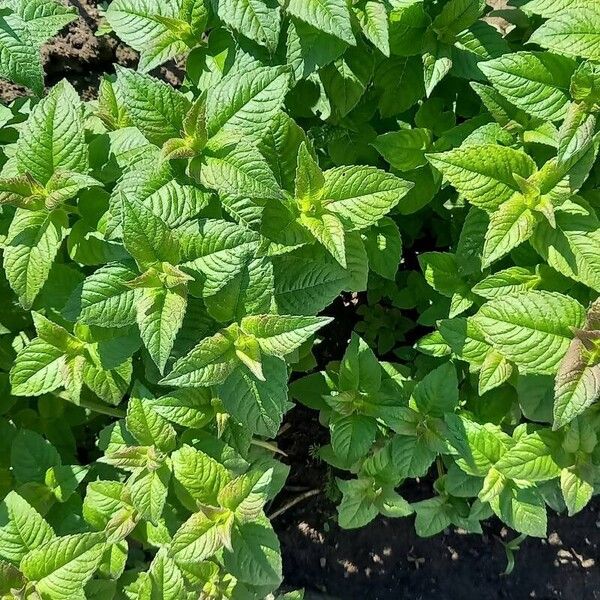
(392, 205)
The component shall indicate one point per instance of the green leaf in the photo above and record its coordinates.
(186, 407)
(522, 509)
(106, 299)
(237, 170)
(404, 149)
(346, 79)
(373, 19)
(197, 539)
(146, 237)
(147, 426)
(258, 20)
(37, 369)
(256, 557)
(495, 371)
(64, 480)
(432, 516)
(572, 246)
(535, 82)
(160, 314)
(44, 18)
(577, 383)
(247, 494)
(352, 436)
(437, 62)
(511, 225)
(279, 335)
(154, 107)
(217, 251)
(507, 281)
(571, 32)
(53, 136)
(247, 101)
(62, 566)
(479, 446)
(31, 456)
(384, 248)
(259, 405)
(22, 528)
(357, 507)
(32, 242)
(531, 458)
(437, 393)
(484, 174)
(531, 329)
(198, 476)
(148, 491)
(457, 15)
(359, 368)
(144, 25)
(165, 581)
(576, 484)
(209, 363)
(330, 16)
(19, 57)
(360, 195)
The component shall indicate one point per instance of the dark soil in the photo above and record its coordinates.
(388, 561)
(385, 560)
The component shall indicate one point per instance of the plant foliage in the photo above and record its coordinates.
(168, 253)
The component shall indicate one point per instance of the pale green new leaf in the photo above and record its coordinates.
(484, 174)
(531, 458)
(279, 335)
(61, 567)
(510, 225)
(361, 195)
